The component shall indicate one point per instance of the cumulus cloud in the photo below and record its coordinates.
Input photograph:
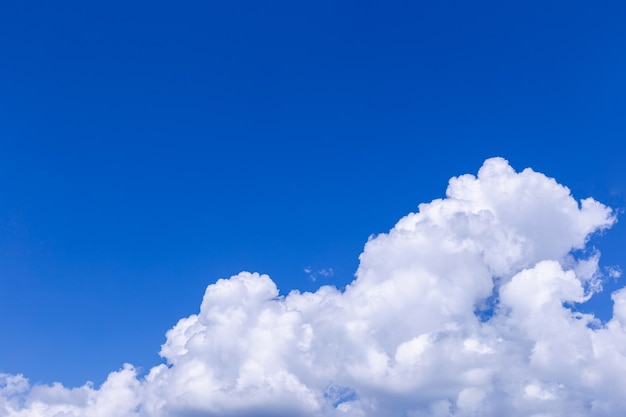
(465, 308)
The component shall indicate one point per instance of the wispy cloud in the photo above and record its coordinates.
(404, 338)
(320, 273)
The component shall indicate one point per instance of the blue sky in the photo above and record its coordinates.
(148, 149)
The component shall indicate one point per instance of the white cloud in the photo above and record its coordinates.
(404, 338)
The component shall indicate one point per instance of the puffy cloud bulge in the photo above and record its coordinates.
(465, 308)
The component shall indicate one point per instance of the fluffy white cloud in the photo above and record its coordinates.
(463, 309)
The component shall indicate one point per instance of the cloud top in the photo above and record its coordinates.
(463, 309)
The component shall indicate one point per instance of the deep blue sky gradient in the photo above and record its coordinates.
(149, 148)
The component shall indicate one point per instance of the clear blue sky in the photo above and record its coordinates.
(150, 148)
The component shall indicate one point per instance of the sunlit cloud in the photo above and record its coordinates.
(464, 308)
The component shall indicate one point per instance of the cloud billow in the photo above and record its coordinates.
(462, 309)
